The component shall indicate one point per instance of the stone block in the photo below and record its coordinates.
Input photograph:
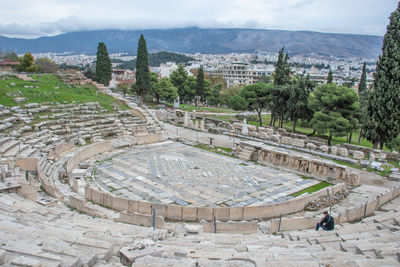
(269, 131)
(311, 146)
(358, 155)
(343, 152)
(324, 148)
(145, 207)
(88, 193)
(236, 213)
(275, 138)
(174, 212)
(251, 128)
(334, 150)
(189, 213)
(120, 204)
(252, 213)
(96, 196)
(264, 136)
(160, 209)
(286, 140)
(205, 213)
(222, 214)
(298, 143)
(133, 206)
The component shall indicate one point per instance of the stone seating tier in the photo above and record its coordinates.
(56, 235)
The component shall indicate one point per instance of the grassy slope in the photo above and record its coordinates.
(47, 92)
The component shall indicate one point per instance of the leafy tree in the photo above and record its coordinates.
(279, 103)
(142, 86)
(362, 86)
(215, 97)
(190, 88)
(178, 78)
(264, 79)
(200, 86)
(334, 109)
(382, 122)
(238, 102)
(89, 71)
(329, 79)
(257, 96)
(26, 63)
(227, 93)
(282, 70)
(164, 89)
(297, 104)
(46, 65)
(103, 65)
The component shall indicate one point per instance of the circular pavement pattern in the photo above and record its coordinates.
(174, 173)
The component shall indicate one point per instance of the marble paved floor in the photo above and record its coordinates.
(172, 172)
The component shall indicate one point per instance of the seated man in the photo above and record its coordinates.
(327, 223)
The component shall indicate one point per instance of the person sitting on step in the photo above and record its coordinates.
(327, 223)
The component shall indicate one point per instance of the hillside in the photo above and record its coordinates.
(156, 59)
(195, 40)
(50, 89)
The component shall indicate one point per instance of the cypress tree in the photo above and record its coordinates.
(200, 83)
(362, 86)
(329, 79)
(142, 69)
(103, 65)
(282, 70)
(382, 123)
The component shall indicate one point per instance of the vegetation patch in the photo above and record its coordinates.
(49, 88)
(311, 189)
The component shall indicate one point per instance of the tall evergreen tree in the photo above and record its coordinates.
(382, 123)
(200, 86)
(142, 85)
(329, 79)
(362, 86)
(103, 65)
(282, 70)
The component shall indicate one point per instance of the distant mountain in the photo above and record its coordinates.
(210, 41)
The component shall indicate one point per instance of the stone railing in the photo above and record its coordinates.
(348, 215)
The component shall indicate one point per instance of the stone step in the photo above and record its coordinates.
(4, 140)
(16, 150)
(8, 145)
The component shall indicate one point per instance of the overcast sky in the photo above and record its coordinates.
(34, 18)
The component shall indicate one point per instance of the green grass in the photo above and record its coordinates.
(44, 91)
(311, 189)
(215, 149)
(187, 107)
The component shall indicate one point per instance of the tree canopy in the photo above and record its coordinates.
(178, 78)
(142, 85)
(103, 65)
(257, 96)
(334, 109)
(27, 63)
(382, 121)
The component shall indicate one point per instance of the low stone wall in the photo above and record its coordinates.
(299, 162)
(349, 215)
(86, 153)
(189, 213)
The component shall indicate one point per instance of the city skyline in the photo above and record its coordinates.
(27, 19)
